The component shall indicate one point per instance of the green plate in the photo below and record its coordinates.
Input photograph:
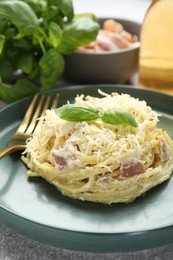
(36, 209)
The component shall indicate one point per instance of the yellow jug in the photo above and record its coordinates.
(156, 51)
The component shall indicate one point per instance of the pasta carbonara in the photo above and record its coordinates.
(100, 162)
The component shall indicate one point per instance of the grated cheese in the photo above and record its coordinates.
(83, 159)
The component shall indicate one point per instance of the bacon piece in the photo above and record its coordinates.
(60, 161)
(132, 169)
(129, 37)
(109, 41)
(66, 156)
(105, 40)
(164, 152)
(87, 48)
(112, 26)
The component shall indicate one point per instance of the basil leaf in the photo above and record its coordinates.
(6, 70)
(55, 34)
(24, 62)
(10, 33)
(117, 117)
(31, 30)
(3, 25)
(2, 41)
(22, 88)
(51, 67)
(80, 32)
(65, 6)
(6, 93)
(18, 12)
(76, 113)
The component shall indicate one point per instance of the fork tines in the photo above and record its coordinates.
(37, 108)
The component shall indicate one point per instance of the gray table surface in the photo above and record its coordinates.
(14, 246)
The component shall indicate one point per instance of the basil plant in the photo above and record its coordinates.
(34, 37)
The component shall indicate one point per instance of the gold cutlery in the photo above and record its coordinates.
(30, 123)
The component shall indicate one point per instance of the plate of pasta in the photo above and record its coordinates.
(98, 176)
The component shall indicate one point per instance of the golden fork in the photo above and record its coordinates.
(30, 125)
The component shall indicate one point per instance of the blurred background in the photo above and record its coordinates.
(129, 9)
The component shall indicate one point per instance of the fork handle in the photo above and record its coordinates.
(11, 149)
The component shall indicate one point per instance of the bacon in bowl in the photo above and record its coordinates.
(103, 61)
(111, 37)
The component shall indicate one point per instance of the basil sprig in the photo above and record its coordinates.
(75, 113)
(35, 36)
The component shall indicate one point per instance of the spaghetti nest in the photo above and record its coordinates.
(100, 162)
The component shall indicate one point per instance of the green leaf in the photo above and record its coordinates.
(2, 41)
(35, 73)
(3, 25)
(10, 33)
(80, 32)
(6, 70)
(55, 34)
(6, 93)
(51, 67)
(52, 14)
(117, 117)
(18, 12)
(83, 15)
(76, 113)
(31, 30)
(24, 62)
(18, 46)
(37, 5)
(22, 88)
(65, 6)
